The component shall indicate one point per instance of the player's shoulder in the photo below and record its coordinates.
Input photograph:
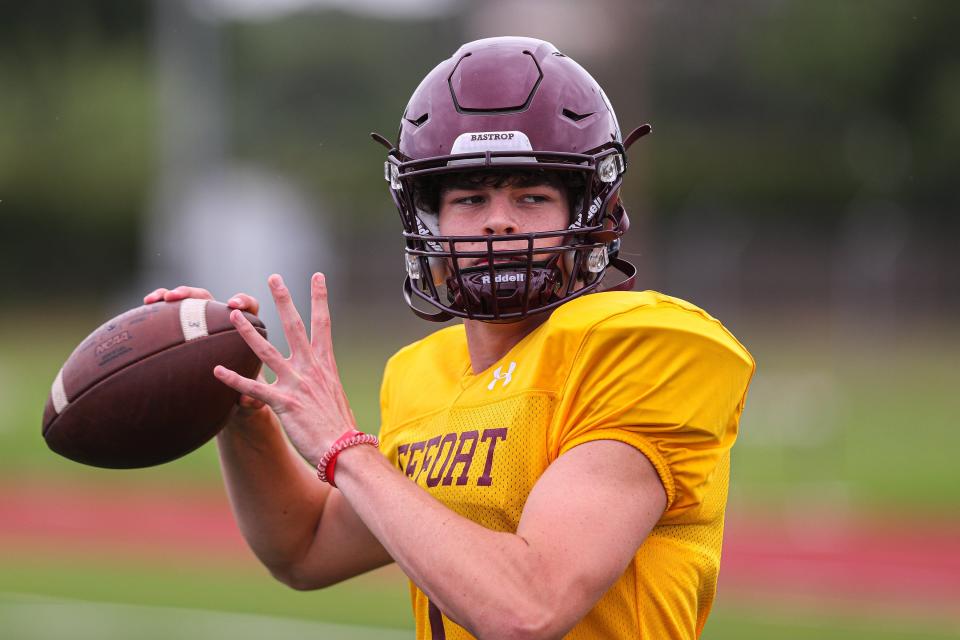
(630, 309)
(636, 316)
(447, 345)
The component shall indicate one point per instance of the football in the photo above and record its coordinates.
(140, 391)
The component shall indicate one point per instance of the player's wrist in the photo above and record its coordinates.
(350, 439)
(253, 426)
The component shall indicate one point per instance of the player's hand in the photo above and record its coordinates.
(307, 394)
(179, 293)
(244, 302)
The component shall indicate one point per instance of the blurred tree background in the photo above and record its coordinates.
(76, 145)
(807, 134)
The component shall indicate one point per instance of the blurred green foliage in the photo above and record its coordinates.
(780, 109)
(76, 143)
(306, 91)
(82, 130)
(783, 110)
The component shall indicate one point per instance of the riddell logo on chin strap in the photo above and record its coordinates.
(504, 277)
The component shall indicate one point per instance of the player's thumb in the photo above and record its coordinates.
(250, 404)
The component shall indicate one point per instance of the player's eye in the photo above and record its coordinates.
(533, 198)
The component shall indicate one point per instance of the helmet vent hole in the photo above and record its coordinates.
(558, 54)
(576, 117)
(419, 121)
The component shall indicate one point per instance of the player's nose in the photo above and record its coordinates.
(500, 219)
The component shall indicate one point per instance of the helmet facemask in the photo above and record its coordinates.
(518, 275)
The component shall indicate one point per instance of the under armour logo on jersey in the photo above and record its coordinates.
(506, 376)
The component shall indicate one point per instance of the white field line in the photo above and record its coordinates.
(29, 617)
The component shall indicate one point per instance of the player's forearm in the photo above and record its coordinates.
(275, 497)
(490, 582)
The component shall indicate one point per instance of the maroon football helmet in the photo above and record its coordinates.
(519, 104)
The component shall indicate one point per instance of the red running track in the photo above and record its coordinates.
(817, 555)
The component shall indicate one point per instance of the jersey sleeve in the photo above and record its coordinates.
(668, 381)
(384, 402)
(387, 423)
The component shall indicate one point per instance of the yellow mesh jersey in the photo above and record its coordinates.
(642, 368)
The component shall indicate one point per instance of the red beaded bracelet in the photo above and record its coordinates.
(328, 462)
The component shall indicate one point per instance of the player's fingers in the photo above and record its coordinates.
(293, 328)
(154, 296)
(250, 403)
(244, 302)
(320, 338)
(246, 386)
(267, 353)
(183, 291)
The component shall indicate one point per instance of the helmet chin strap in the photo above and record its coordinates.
(635, 135)
(505, 288)
(624, 267)
(439, 316)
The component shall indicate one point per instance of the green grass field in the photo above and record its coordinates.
(861, 427)
(42, 618)
(377, 600)
(869, 424)
(95, 598)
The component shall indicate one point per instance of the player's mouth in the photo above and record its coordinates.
(480, 262)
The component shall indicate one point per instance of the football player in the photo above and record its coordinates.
(555, 465)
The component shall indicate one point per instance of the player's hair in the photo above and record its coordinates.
(429, 190)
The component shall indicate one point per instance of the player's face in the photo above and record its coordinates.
(492, 211)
